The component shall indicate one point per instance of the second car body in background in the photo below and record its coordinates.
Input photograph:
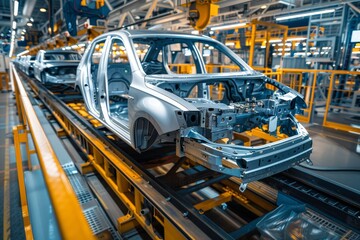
(28, 65)
(56, 66)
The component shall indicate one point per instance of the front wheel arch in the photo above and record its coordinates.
(43, 77)
(145, 134)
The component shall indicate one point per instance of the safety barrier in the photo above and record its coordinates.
(343, 101)
(69, 215)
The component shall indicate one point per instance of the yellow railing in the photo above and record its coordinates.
(182, 68)
(343, 101)
(69, 215)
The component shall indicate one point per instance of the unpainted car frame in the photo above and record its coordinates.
(153, 106)
(56, 70)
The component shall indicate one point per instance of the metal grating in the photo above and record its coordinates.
(94, 215)
(97, 220)
(79, 185)
(344, 233)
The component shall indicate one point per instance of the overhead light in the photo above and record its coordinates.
(275, 41)
(14, 25)
(22, 33)
(195, 32)
(29, 24)
(304, 14)
(31, 19)
(211, 32)
(42, 9)
(16, 8)
(24, 30)
(296, 39)
(230, 44)
(263, 7)
(137, 17)
(230, 26)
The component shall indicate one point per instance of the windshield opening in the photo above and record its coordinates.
(59, 56)
(184, 56)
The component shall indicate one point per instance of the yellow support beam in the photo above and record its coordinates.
(213, 202)
(23, 199)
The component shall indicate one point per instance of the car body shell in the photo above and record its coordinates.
(152, 107)
(28, 65)
(41, 67)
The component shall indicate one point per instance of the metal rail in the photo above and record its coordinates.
(69, 215)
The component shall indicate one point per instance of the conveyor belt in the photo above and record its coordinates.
(178, 190)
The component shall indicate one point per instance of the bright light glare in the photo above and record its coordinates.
(16, 8)
(230, 26)
(304, 14)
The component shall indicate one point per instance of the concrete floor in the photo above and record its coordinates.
(10, 210)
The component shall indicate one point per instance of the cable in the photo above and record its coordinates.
(329, 169)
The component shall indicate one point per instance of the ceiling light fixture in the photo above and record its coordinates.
(42, 9)
(263, 7)
(29, 24)
(14, 25)
(16, 8)
(230, 26)
(31, 19)
(304, 14)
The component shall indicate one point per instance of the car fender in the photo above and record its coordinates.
(160, 114)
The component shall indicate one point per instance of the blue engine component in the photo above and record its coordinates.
(73, 8)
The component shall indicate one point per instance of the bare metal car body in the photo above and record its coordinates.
(144, 102)
(56, 66)
(28, 65)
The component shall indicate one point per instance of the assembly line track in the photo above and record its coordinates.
(56, 104)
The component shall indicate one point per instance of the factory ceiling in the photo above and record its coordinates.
(34, 15)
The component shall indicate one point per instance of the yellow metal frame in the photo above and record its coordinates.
(21, 137)
(270, 27)
(69, 215)
(331, 124)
